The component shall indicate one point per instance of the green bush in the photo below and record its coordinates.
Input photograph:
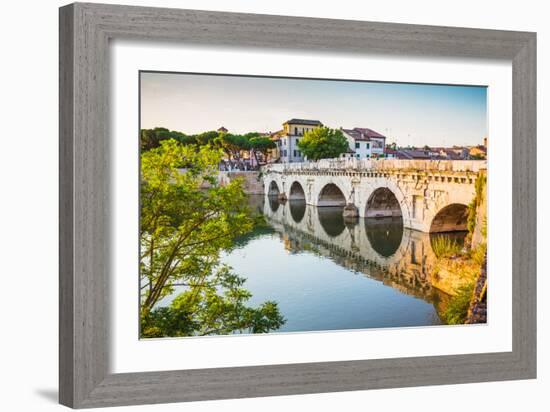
(480, 183)
(457, 309)
(444, 246)
(478, 254)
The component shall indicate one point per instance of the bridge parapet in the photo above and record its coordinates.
(380, 165)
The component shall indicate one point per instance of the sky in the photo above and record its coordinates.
(406, 113)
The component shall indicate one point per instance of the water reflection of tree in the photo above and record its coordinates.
(186, 220)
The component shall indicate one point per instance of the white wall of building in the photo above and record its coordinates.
(288, 149)
(288, 143)
(363, 149)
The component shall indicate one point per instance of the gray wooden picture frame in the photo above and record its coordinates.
(85, 32)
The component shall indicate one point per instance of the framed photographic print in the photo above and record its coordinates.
(256, 205)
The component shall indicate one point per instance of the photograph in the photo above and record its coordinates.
(277, 205)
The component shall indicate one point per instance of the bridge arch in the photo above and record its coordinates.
(297, 191)
(331, 195)
(273, 189)
(383, 203)
(451, 218)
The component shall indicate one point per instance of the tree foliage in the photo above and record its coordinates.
(206, 311)
(262, 144)
(151, 138)
(233, 144)
(186, 220)
(323, 143)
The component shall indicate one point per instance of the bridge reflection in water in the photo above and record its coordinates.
(381, 250)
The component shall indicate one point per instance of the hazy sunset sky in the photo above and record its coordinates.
(408, 114)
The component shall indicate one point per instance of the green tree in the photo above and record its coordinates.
(151, 138)
(186, 220)
(323, 143)
(261, 145)
(205, 311)
(207, 137)
(233, 144)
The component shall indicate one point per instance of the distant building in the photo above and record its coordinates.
(287, 139)
(420, 154)
(435, 153)
(391, 153)
(348, 154)
(461, 153)
(365, 143)
(478, 152)
(222, 130)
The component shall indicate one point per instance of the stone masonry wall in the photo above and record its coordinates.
(253, 184)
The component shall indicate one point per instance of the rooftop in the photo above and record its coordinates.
(363, 133)
(304, 121)
(414, 154)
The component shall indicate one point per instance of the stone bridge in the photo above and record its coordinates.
(429, 195)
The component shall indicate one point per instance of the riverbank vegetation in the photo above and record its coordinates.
(183, 229)
(446, 247)
(457, 275)
(459, 267)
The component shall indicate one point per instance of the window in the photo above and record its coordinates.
(295, 155)
(284, 153)
(295, 130)
(357, 145)
(297, 140)
(368, 146)
(358, 155)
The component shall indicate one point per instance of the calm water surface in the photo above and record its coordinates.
(326, 274)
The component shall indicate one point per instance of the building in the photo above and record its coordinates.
(222, 130)
(348, 154)
(478, 152)
(287, 139)
(366, 143)
(391, 153)
(419, 154)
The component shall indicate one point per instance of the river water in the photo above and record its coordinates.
(328, 274)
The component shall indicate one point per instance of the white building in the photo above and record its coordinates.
(288, 138)
(366, 143)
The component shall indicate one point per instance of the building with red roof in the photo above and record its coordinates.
(366, 143)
